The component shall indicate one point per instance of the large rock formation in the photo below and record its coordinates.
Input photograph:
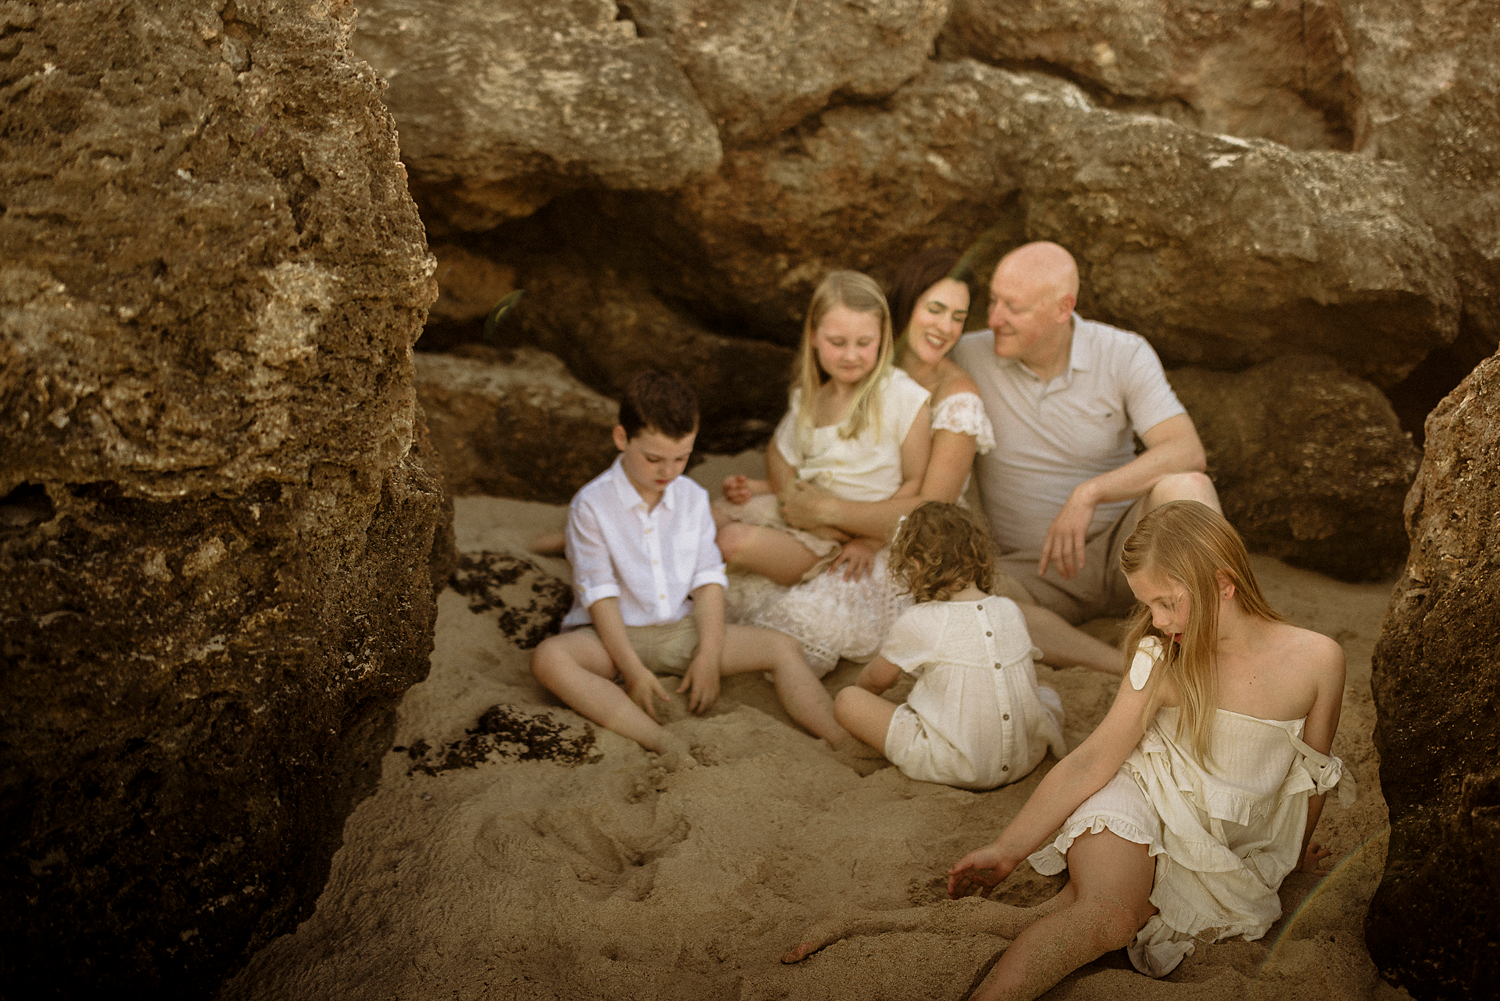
(1311, 464)
(1434, 925)
(504, 105)
(214, 528)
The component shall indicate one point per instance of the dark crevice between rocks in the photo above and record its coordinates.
(24, 508)
(624, 13)
(506, 733)
(1425, 387)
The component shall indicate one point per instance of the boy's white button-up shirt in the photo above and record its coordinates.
(651, 560)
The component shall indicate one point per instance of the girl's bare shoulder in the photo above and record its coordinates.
(1306, 650)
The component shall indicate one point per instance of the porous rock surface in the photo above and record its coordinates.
(1222, 251)
(1310, 462)
(1434, 925)
(216, 528)
(759, 68)
(503, 104)
(514, 424)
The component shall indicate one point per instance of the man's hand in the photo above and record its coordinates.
(641, 687)
(808, 506)
(857, 558)
(1067, 536)
(701, 682)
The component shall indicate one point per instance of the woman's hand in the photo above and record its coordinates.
(808, 506)
(737, 489)
(1314, 854)
(857, 558)
(980, 871)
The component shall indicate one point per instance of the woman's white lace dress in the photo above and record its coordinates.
(830, 616)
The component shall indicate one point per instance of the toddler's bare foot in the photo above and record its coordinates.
(674, 754)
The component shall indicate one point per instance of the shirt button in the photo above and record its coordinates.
(1005, 716)
(662, 597)
(989, 634)
(1005, 768)
(998, 665)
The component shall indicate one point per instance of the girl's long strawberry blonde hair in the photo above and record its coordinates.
(1191, 545)
(857, 292)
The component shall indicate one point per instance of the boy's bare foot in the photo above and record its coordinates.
(549, 544)
(674, 754)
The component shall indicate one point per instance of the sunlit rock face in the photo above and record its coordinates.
(215, 532)
(1434, 925)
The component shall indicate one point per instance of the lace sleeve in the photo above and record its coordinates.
(964, 413)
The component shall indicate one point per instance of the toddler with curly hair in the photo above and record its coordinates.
(976, 717)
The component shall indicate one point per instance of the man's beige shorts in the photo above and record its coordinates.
(664, 649)
(1100, 589)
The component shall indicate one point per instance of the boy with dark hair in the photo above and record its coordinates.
(649, 586)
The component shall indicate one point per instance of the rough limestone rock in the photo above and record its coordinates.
(469, 286)
(1269, 69)
(514, 425)
(1224, 252)
(215, 531)
(608, 325)
(1311, 463)
(1434, 925)
(760, 69)
(502, 104)
(1430, 84)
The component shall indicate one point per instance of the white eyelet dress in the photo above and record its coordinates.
(835, 618)
(1223, 838)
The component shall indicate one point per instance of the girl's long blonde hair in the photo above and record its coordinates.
(1191, 545)
(857, 292)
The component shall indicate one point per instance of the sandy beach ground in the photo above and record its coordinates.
(520, 853)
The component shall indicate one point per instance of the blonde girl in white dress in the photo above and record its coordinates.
(855, 425)
(976, 717)
(847, 614)
(1182, 813)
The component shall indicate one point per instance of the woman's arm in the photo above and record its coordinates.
(1071, 781)
(808, 507)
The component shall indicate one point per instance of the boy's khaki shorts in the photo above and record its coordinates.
(664, 649)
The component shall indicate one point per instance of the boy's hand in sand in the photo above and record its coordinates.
(737, 489)
(701, 682)
(980, 871)
(1315, 853)
(641, 686)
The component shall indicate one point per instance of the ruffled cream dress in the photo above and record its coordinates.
(830, 616)
(1223, 838)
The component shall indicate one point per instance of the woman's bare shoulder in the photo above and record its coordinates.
(953, 380)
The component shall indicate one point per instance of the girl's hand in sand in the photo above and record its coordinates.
(737, 489)
(980, 871)
(641, 687)
(701, 682)
(857, 558)
(1315, 853)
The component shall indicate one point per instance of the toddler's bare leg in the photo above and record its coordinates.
(1112, 901)
(750, 648)
(864, 714)
(969, 916)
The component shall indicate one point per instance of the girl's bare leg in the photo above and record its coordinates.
(969, 916)
(766, 551)
(1113, 879)
(749, 648)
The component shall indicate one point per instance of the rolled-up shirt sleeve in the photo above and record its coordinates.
(710, 568)
(593, 570)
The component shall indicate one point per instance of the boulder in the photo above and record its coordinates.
(215, 525)
(1430, 83)
(1224, 252)
(605, 321)
(759, 71)
(1272, 69)
(1311, 463)
(470, 284)
(502, 104)
(1433, 926)
(514, 424)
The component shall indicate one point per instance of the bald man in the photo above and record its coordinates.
(1063, 488)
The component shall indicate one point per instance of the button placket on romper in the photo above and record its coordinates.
(988, 628)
